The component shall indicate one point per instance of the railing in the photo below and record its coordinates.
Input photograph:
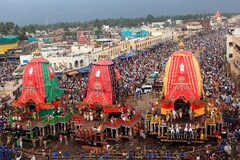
(44, 121)
(120, 122)
(76, 154)
(56, 119)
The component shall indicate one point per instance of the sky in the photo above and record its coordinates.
(23, 12)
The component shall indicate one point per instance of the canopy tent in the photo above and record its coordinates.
(8, 39)
(122, 58)
(130, 55)
(11, 58)
(153, 75)
(84, 70)
(72, 73)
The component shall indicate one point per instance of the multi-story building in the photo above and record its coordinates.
(194, 27)
(80, 56)
(24, 48)
(134, 32)
(233, 50)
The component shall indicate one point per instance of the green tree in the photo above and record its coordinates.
(16, 30)
(150, 18)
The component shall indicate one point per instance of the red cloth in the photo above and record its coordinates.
(92, 106)
(56, 103)
(114, 110)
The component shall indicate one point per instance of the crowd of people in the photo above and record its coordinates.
(75, 87)
(218, 87)
(134, 70)
(7, 68)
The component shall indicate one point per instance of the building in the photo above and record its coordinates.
(158, 24)
(80, 56)
(8, 42)
(215, 20)
(194, 27)
(49, 37)
(89, 33)
(233, 51)
(83, 40)
(179, 22)
(24, 48)
(134, 32)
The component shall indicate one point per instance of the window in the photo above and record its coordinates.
(230, 44)
(230, 55)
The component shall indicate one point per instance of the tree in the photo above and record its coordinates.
(9, 27)
(150, 18)
(16, 30)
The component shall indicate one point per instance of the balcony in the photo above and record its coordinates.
(237, 48)
(237, 63)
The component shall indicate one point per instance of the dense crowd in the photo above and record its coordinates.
(7, 68)
(217, 86)
(134, 70)
(75, 88)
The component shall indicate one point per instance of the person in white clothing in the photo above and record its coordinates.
(174, 114)
(19, 158)
(191, 131)
(180, 114)
(33, 158)
(177, 132)
(172, 131)
(20, 143)
(185, 131)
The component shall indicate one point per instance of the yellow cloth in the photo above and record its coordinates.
(201, 137)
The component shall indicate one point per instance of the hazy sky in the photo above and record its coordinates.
(50, 11)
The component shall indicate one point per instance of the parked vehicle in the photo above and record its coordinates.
(146, 88)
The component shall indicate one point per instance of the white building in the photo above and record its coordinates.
(233, 50)
(194, 27)
(179, 22)
(158, 24)
(80, 56)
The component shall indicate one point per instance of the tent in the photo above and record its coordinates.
(130, 55)
(122, 58)
(84, 70)
(153, 75)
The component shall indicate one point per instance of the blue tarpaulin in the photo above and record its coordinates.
(11, 58)
(122, 58)
(130, 55)
(25, 61)
(142, 51)
(58, 75)
(84, 70)
(114, 61)
(32, 39)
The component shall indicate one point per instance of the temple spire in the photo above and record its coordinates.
(181, 45)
